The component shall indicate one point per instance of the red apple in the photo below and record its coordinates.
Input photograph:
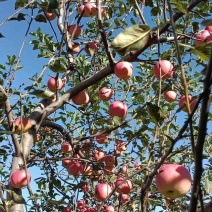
(66, 147)
(109, 208)
(163, 69)
(123, 188)
(81, 9)
(67, 209)
(109, 170)
(193, 104)
(118, 108)
(123, 70)
(50, 15)
(124, 169)
(209, 28)
(75, 30)
(81, 204)
(91, 210)
(182, 103)
(102, 191)
(170, 96)
(84, 209)
(55, 84)
(75, 168)
(75, 48)
(99, 156)
(66, 162)
(125, 198)
(120, 148)
(173, 180)
(103, 10)
(81, 98)
(137, 165)
(202, 37)
(102, 139)
(90, 10)
(86, 187)
(90, 48)
(105, 94)
(110, 160)
(22, 125)
(20, 178)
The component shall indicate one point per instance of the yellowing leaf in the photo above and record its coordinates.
(133, 38)
(208, 186)
(203, 51)
(154, 112)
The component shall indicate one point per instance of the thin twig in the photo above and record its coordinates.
(103, 34)
(16, 12)
(140, 12)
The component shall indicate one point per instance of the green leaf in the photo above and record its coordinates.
(180, 6)
(20, 17)
(20, 3)
(11, 60)
(16, 68)
(155, 112)
(196, 26)
(3, 152)
(2, 67)
(53, 4)
(40, 18)
(203, 51)
(58, 65)
(16, 198)
(207, 22)
(131, 39)
(117, 120)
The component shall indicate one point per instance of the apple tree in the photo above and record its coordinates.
(105, 105)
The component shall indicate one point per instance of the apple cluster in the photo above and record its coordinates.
(164, 70)
(172, 180)
(123, 70)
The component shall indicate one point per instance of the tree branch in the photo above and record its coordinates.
(201, 137)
